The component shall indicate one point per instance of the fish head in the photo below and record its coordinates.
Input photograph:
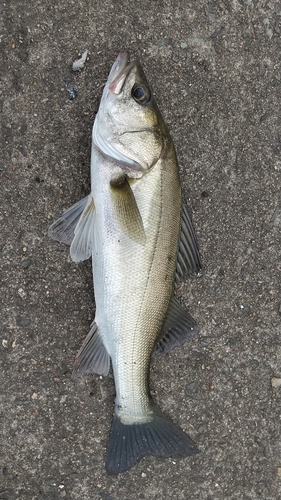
(129, 127)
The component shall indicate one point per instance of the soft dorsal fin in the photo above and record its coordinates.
(188, 255)
(179, 327)
(62, 230)
(125, 208)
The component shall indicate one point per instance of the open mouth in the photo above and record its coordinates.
(123, 67)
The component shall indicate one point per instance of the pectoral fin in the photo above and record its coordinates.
(84, 233)
(62, 230)
(188, 255)
(125, 208)
(76, 228)
(179, 327)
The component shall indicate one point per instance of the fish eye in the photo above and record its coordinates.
(141, 94)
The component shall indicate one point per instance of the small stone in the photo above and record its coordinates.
(254, 363)
(268, 30)
(5, 343)
(22, 321)
(202, 428)
(183, 45)
(21, 293)
(80, 63)
(143, 474)
(276, 382)
(279, 471)
(34, 395)
(72, 91)
(190, 389)
(25, 263)
(106, 497)
(204, 342)
(198, 479)
(175, 57)
(231, 342)
(204, 194)
(160, 43)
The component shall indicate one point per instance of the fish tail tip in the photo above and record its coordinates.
(159, 437)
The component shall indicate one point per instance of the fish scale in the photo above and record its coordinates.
(130, 363)
(140, 236)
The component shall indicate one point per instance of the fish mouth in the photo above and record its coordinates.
(122, 66)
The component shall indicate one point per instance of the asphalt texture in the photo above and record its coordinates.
(214, 67)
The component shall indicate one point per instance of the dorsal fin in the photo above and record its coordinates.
(188, 261)
(179, 327)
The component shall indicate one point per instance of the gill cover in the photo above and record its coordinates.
(128, 127)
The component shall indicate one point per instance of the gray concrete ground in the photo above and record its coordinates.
(215, 70)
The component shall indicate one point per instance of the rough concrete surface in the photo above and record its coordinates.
(214, 67)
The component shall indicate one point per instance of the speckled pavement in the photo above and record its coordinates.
(215, 71)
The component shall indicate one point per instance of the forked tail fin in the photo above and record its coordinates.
(159, 437)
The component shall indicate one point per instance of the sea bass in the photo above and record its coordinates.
(139, 234)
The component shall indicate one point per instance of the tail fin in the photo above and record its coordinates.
(159, 437)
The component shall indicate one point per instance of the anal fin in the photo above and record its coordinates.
(93, 356)
(179, 327)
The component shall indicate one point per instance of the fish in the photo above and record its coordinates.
(138, 231)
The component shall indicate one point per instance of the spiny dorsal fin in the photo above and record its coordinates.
(188, 255)
(125, 208)
(179, 327)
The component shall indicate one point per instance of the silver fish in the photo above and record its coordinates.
(139, 234)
